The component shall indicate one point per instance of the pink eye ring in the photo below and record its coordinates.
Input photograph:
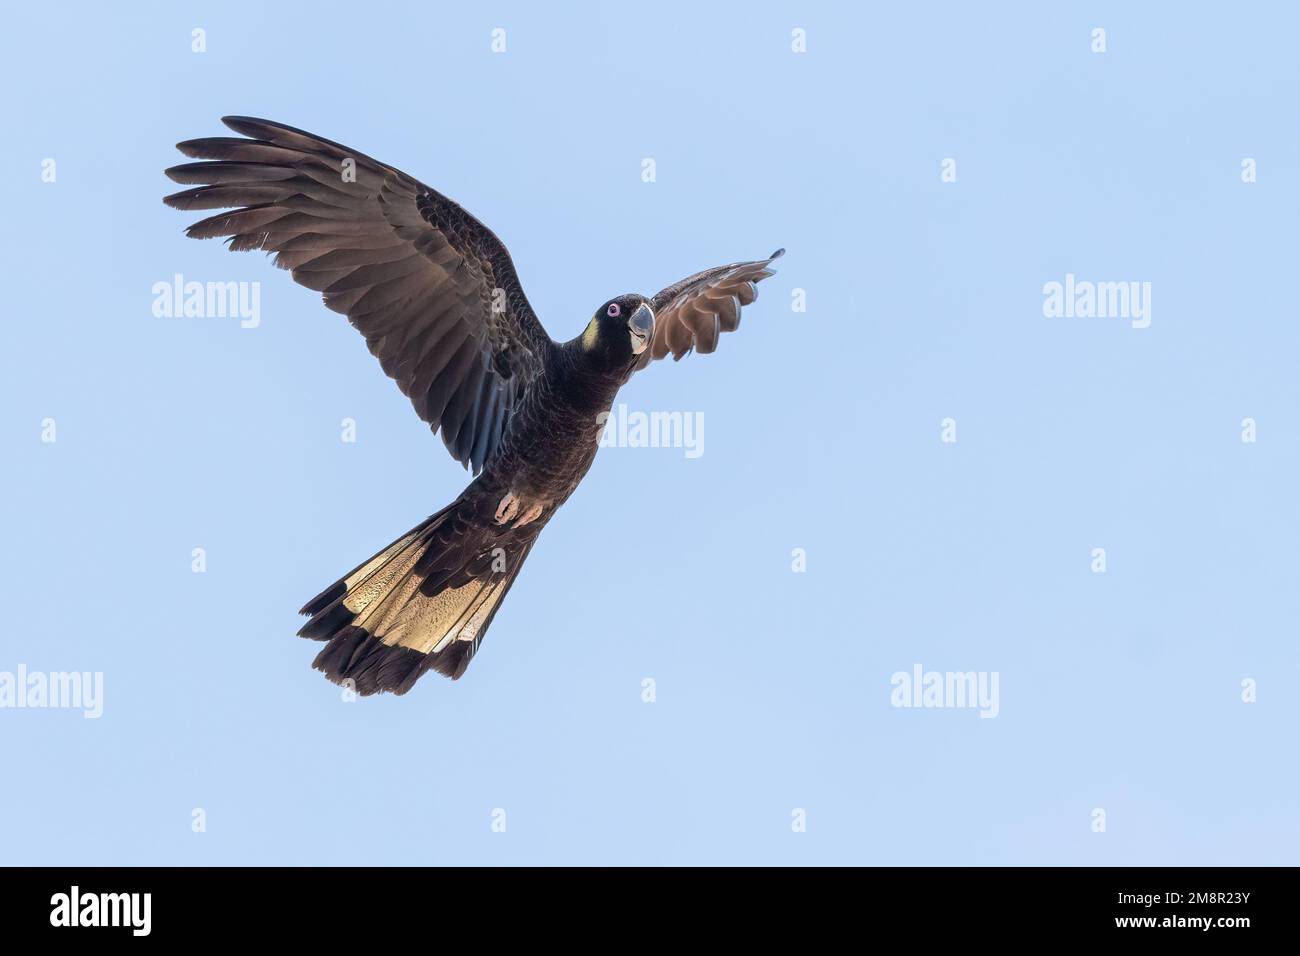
(613, 311)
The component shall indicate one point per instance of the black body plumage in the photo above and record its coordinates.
(436, 296)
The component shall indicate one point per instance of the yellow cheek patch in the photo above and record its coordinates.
(590, 335)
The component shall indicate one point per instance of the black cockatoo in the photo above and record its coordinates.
(435, 294)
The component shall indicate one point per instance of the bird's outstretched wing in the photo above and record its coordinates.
(693, 313)
(430, 287)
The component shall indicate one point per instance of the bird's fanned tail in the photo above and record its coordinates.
(422, 603)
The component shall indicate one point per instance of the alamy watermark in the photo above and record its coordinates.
(946, 690)
(621, 428)
(62, 690)
(208, 300)
(129, 910)
(1084, 299)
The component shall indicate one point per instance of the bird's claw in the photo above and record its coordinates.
(508, 508)
(532, 514)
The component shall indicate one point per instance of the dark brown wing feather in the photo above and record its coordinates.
(430, 287)
(693, 313)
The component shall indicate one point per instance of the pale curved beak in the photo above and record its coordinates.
(641, 326)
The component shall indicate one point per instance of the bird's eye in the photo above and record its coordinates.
(613, 311)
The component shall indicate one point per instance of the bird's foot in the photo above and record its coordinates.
(513, 509)
(532, 514)
(508, 508)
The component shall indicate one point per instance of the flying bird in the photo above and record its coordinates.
(436, 296)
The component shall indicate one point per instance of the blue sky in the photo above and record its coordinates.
(1118, 691)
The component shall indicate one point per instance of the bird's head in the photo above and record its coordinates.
(620, 330)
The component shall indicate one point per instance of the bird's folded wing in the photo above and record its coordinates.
(430, 287)
(693, 313)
